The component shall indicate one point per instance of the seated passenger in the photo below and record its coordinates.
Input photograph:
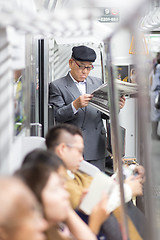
(42, 172)
(20, 216)
(67, 142)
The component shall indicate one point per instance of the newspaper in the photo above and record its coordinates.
(100, 95)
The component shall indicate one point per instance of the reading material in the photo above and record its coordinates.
(104, 184)
(100, 95)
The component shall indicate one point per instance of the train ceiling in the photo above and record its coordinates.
(71, 18)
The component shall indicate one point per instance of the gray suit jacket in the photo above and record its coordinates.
(62, 92)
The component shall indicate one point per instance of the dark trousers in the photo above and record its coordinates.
(154, 131)
(100, 163)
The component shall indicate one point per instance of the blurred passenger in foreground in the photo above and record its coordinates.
(43, 172)
(67, 142)
(20, 217)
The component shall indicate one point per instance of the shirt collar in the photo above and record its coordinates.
(75, 80)
(70, 174)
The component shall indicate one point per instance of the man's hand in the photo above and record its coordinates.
(82, 101)
(140, 171)
(99, 214)
(84, 193)
(135, 184)
(122, 101)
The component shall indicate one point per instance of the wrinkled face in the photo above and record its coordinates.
(77, 71)
(73, 152)
(28, 223)
(55, 199)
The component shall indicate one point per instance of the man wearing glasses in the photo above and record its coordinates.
(70, 96)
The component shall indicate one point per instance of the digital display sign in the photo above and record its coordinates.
(109, 15)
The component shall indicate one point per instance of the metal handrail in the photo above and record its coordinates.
(116, 138)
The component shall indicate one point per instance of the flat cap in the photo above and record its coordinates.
(83, 53)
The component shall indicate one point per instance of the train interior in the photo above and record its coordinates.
(36, 39)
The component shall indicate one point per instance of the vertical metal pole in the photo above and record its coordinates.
(102, 63)
(144, 133)
(44, 81)
(6, 102)
(28, 83)
(116, 137)
(45, 85)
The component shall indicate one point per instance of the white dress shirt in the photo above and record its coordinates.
(81, 87)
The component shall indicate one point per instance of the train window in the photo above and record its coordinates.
(19, 111)
(17, 52)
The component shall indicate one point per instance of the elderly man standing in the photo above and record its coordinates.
(70, 96)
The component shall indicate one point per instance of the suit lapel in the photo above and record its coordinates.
(73, 89)
(89, 85)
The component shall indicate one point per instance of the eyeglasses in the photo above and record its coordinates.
(80, 150)
(83, 67)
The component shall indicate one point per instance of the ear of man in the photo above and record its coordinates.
(60, 149)
(70, 62)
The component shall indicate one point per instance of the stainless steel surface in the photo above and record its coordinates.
(155, 168)
(102, 62)
(28, 78)
(46, 84)
(6, 101)
(37, 129)
(115, 137)
(144, 134)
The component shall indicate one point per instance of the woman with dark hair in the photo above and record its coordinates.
(42, 171)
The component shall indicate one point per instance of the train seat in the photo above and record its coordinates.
(88, 168)
(22, 146)
(31, 143)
